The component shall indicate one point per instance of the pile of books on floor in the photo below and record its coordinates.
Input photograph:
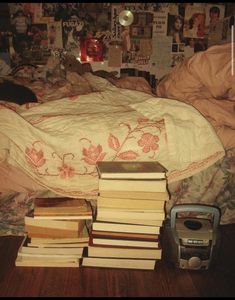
(130, 213)
(56, 233)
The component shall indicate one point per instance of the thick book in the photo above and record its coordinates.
(123, 252)
(25, 262)
(65, 217)
(120, 227)
(151, 185)
(81, 239)
(131, 170)
(130, 214)
(157, 196)
(128, 204)
(130, 221)
(49, 256)
(53, 228)
(77, 225)
(124, 263)
(62, 207)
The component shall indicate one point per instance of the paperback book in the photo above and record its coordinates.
(137, 185)
(125, 263)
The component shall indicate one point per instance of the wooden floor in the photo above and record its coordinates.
(165, 281)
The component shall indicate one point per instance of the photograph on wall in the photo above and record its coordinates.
(214, 17)
(194, 21)
(175, 26)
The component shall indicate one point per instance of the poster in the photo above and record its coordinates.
(160, 23)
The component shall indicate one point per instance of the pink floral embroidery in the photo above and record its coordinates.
(66, 171)
(35, 158)
(148, 142)
(93, 154)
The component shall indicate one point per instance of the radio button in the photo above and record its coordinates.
(194, 262)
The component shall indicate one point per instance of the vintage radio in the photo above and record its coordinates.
(191, 242)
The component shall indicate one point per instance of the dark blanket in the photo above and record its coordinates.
(16, 93)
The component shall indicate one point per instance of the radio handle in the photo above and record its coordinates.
(195, 208)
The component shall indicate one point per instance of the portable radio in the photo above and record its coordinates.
(190, 243)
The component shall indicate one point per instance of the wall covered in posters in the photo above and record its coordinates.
(159, 36)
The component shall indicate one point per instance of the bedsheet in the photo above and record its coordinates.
(207, 82)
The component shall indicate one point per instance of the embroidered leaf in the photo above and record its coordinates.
(113, 142)
(128, 155)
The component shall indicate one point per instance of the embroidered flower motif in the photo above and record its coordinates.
(93, 154)
(149, 142)
(34, 157)
(66, 171)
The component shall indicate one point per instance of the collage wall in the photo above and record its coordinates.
(148, 37)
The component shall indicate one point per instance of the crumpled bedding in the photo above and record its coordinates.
(207, 82)
(58, 143)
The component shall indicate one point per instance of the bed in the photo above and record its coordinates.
(50, 148)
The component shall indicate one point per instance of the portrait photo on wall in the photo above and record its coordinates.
(175, 28)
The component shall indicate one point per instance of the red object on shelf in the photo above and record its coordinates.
(91, 50)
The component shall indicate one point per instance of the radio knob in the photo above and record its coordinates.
(194, 262)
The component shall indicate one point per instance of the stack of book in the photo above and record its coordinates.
(130, 213)
(56, 233)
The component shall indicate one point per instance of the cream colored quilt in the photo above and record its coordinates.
(58, 143)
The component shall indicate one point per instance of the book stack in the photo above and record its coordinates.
(56, 233)
(130, 213)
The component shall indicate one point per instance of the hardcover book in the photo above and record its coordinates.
(131, 170)
(53, 228)
(61, 206)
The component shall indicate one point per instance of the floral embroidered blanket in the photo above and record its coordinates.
(58, 143)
